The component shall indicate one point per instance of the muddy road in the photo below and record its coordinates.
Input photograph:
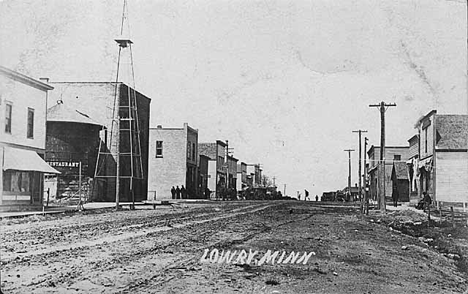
(185, 250)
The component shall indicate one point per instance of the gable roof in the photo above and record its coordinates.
(400, 171)
(451, 132)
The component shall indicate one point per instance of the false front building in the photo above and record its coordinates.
(443, 157)
(217, 166)
(23, 105)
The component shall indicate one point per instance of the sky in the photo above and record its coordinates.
(286, 82)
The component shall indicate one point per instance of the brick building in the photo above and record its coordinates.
(96, 99)
(23, 107)
(173, 161)
(217, 169)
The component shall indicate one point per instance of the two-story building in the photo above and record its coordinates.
(23, 107)
(241, 184)
(232, 174)
(443, 157)
(203, 175)
(217, 168)
(173, 162)
(254, 171)
(380, 171)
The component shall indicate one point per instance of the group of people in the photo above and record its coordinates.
(179, 193)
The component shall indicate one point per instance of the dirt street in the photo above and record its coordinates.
(162, 251)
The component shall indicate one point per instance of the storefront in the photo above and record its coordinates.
(22, 176)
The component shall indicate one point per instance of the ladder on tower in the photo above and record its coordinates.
(119, 164)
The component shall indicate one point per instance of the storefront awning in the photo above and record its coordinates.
(25, 160)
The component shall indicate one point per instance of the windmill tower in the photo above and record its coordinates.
(119, 163)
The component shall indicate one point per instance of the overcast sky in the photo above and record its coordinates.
(286, 82)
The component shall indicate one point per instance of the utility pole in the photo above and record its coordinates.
(227, 168)
(366, 186)
(349, 170)
(382, 107)
(359, 169)
(284, 194)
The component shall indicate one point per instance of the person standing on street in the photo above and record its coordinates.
(395, 197)
(183, 191)
(177, 191)
(173, 192)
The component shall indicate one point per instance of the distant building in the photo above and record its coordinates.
(23, 107)
(378, 175)
(203, 176)
(400, 182)
(96, 99)
(173, 162)
(443, 157)
(350, 194)
(255, 172)
(217, 168)
(241, 184)
(413, 170)
(232, 173)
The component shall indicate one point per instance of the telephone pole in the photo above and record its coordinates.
(382, 108)
(349, 170)
(359, 169)
(366, 193)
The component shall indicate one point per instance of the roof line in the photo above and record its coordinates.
(166, 129)
(14, 75)
(107, 83)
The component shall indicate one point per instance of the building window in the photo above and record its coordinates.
(220, 161)
(425, 140)
(188, 150)
(159, 148)
(9, 109)
(193, 151)
(397, 157)
(30, 133)
(16, 181)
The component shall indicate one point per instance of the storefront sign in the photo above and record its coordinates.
(63, 164)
